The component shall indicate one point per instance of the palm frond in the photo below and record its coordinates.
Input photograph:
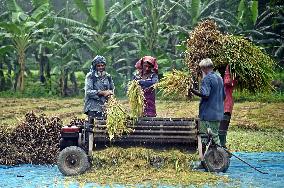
(10, 27)
(5, 49)
(207, 7)
(265, 19)
(98, 10)
(13, 6)
(254, 11)
(40, 11)
(83, 31)
(195, 10)
(4, 15)
(163, 17)
(48, 43)
(83, 7)
(68, 22)
(280, 51)
(38, 3)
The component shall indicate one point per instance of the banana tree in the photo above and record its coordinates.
(67, 60)
(268, 31)
(104, 23)
(150, 22)
(22, 30)
(102, 31)
(5, 49)
(263, 28)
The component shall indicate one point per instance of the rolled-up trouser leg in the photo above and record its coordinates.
(223, 129)
(214, 126)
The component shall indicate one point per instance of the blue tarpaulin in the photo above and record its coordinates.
(240, 174)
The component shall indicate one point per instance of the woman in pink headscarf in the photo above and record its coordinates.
(147, 76)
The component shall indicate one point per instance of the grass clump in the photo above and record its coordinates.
(255, 141)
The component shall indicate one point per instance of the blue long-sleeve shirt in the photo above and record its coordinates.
(212, 108)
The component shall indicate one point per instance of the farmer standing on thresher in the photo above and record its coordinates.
(147, 76)
(211, 107)
(98, 87)
(229, 84)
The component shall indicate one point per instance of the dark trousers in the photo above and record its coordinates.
(223, 128)
(94, 115)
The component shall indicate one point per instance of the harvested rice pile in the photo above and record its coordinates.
(204, 42)
(34, 141)
(141, 166)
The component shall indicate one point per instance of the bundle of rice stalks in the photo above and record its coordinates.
(205, 41)
(253, 67)
(34, 141)
(175, 83)
(116, 118)
(136, 99)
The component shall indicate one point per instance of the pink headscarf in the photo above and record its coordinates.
(150, 59)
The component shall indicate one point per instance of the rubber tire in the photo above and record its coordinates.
(210, 163)
(73, 153)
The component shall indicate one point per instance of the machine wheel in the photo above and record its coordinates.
(73, 161)
(216, 159)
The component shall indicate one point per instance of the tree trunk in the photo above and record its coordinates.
(20, 83)
(41, 69)
(2, 77)
(9, 81)
(47, 65)
(65, 82)
(74, 81)
(40, 59)
(61, 80)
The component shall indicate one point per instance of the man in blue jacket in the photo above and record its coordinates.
(211, 107)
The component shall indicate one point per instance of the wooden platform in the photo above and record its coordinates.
(153, 132)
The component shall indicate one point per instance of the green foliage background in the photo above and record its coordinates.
(59, 38)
